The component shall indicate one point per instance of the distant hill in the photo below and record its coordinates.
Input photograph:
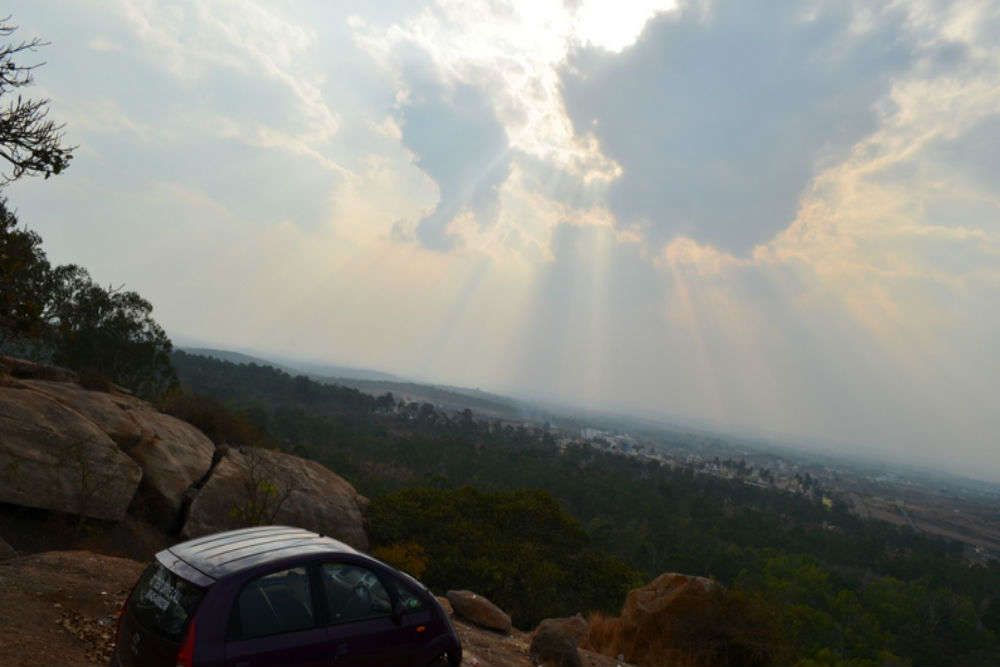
(295, 367)
(444, 397)
(377, 383)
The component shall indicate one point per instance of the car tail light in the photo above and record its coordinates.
(185, 657)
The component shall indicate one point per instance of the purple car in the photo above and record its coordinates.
(276, 595)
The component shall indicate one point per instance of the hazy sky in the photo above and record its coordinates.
(767, 216)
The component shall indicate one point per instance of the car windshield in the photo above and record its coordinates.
(163, 602)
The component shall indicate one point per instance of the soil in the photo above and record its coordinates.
(61, 607)
(486, 648)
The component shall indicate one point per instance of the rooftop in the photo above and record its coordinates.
(206, 559)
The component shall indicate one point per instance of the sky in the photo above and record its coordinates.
(774, 218)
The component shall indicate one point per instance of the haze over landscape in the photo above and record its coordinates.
(766, 219)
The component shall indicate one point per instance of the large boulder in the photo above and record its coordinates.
(477, 609)
(674, 618)
(573, 626)
(53, 457)
(29, 370)
(445, 605)
(174, 456)
(109, 411)
(553, 646)
(668, 597)
(171, 454)
(252, 486)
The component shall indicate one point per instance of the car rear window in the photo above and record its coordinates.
(163, 602)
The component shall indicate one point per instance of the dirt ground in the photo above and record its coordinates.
(484, 648)
(60, 608)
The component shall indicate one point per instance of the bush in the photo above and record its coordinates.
(222, 425)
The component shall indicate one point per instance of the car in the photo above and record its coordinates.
(277, 595)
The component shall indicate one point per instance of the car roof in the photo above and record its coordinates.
(207, 559)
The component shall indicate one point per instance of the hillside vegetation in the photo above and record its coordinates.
(842, 591)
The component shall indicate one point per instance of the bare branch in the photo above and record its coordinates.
(29, 142)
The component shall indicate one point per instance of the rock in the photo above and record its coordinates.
(477, 609)
(29, 370)
(665, 596)
(110, 412)
(662, 622)
(574, 626)
(552, 646)
(251, 485)
(443, 601)
(174, 455)
(6, 551)
(53, 457)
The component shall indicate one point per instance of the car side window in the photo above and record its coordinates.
(274, 603)
(354, 593)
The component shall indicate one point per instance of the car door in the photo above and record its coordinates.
(362, 630)
(273, 623)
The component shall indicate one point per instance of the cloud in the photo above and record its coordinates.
(721, 117)
(458, 142)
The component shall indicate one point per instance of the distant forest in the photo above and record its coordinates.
(589, 525)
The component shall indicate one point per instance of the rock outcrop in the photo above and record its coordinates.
(67, 448)
(24, 369)
(668, 595)
(477, 609)
(266, 486)
(674, 616)
(71, 449)
(174, 455)
(54, 457)
(109, 412)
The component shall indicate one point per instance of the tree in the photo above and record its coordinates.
(30, 142)
(24, 277)
(109, 333)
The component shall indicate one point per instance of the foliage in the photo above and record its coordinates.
(222, 425)
(29, 141)
(265, 489)
(25, 277)
(108, 332)
(59, 314)
(409, 557)
(518, 548)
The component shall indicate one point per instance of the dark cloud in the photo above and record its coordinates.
(460, 143)
(720, 119)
